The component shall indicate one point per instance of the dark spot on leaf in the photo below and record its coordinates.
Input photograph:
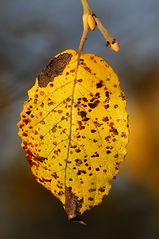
(95, 155)
(95, 141)
(106, 106)
(78, 162)
(99, 84)
(90, 199)
(93, 105)
(42, 104)
(28, 112)
(92, 190)
(54, 128)
(123, 134)
(111, 124)
(87, 69)
(92, 57)
(122, 95)
(93, 130)
(116, 156)
(72, 71)
(97, 94)
(83, 114)
(77, 150)
(26, 121)
(41, 180)
(85, 99)
(114, 131)
(105, 119)
(107, 93)
(54, 175)
(102, 189)
(80, 172)
(108, 152)
(60, 193)
(50, 103)
(47, 180)
(115, 106)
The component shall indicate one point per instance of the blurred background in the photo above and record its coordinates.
(33, 31)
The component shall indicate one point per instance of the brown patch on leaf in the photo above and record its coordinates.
(54, 68)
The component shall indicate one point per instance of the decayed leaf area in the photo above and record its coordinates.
(74, 129)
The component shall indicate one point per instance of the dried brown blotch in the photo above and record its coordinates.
(54, 68)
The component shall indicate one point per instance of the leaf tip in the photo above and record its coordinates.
(72, 205)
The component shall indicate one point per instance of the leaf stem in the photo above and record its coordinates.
(86, 11)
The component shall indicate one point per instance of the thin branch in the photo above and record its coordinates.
(90, 21)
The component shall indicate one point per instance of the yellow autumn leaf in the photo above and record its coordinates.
(74, 129)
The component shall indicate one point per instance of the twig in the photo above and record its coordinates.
(90, 21)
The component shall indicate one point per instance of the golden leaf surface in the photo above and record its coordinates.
(74, 129)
